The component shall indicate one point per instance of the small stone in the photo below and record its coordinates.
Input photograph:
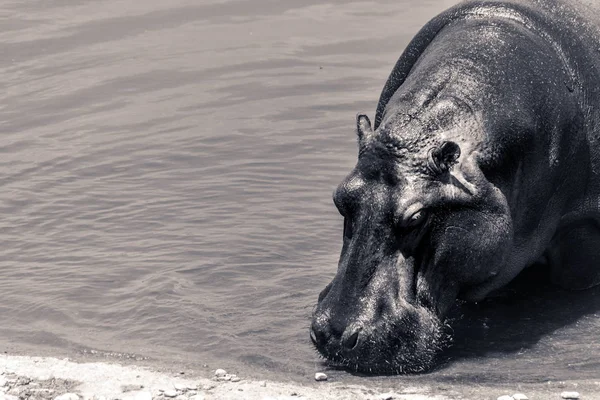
(23, 380)
(3, 381)
(386, 396)
(181, 397)
(319, 376)
(236, 379)
(262, 384)
(520, 396)
(67, 396)
(225, 377)
(220, 372)
(180, 386)
(131, 388)
(197, 397)
(170, 393)
(208, 387)
(569, 395)
(505, 397)
(192, 386)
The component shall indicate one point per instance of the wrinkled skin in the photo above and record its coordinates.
(483, 160)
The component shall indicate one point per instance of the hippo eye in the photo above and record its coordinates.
(416, 218)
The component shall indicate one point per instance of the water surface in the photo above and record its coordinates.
(166, 171)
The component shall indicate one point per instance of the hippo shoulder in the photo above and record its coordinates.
(570, 27)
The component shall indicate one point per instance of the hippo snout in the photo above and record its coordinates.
(372, 338)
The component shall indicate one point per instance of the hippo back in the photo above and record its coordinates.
(570, 27)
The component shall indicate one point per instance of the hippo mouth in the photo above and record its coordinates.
(408, 344)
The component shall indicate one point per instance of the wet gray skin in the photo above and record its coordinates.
(479, 164)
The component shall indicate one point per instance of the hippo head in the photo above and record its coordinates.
(422, 227)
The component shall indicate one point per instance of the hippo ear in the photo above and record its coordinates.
(442, 158)
(363, 126)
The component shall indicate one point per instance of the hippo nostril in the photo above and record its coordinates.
(313, 336)
(351, 341)
(319, 335)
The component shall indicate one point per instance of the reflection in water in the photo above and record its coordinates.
(531, 322)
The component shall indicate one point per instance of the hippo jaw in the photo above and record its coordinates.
(388, 324)
(406, 342)
(416, 237)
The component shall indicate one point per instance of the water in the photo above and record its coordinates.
(166, 171)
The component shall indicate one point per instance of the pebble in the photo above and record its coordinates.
(3, 381)
(192, 386)
(220, 372)
(236, 379)
(181, 397)
(181, 387)
(520, 396)
(67, 396)
(197, 397)
(505, 397)
(569, 395)
(319, 376)
(262, 384)
(170, 393)
(386, 396)
(23, 380)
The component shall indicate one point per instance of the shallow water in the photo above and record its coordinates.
(166, 171)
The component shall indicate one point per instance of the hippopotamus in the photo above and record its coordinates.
(483, 159)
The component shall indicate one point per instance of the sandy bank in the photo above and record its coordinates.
(46, 378)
